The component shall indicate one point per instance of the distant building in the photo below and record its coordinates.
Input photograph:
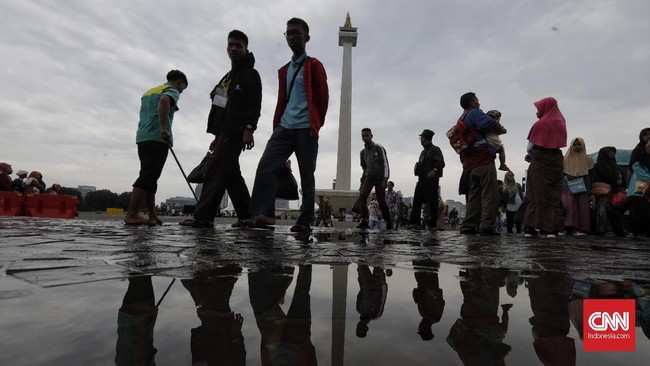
(179, 202)
(84, 190)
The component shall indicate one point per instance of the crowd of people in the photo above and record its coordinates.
(565, 194)
(26, 183)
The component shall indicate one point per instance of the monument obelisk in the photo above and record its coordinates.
(342, 198)
(347, 39)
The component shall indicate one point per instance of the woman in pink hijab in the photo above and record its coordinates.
(542, 207)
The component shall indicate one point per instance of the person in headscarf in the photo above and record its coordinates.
(608, 217)
(542, 206)
(34, 183)
(5, 180)
(515, 198)
(640, 176)
(576, 201)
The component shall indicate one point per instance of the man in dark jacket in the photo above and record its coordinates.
(428, 169)
(376, 172)
(236, 104)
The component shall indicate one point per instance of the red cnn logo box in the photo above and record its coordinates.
(608, 325)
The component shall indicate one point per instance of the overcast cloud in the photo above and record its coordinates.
(74, 72)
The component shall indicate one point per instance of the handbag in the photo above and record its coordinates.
(576, 186)
(619, 199)
(601, 189)
(197, 175)
(287, 186)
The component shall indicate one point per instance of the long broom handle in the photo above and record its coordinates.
(182, 171)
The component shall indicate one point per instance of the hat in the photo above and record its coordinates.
(21, 172)
(427, 134)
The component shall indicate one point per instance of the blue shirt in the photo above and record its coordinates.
(296, 114)
(479, 121)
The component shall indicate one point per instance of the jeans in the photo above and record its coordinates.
(281, 145)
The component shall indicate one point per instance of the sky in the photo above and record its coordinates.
(74, 72)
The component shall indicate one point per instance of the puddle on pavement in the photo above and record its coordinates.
(415, 313)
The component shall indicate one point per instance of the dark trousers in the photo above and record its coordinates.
(426, 191)
(640, 216)
(482, 199)
(223, 173)
(281, 145)
(510, 222)
(362, 201)
(153, 155)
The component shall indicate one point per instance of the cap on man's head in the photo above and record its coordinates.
(428, 134)
(21, 172)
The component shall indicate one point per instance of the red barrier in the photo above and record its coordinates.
(38, 205)
(10, 203)
(55, 206)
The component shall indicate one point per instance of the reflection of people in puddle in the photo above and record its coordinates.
(371, 299)
(512, 283)
(135, 322)
(218, 340)
(286, 338)
(428, 296)
(549, 295)
(478, 335)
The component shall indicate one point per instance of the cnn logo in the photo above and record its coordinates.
(602, 321)
(607, 325)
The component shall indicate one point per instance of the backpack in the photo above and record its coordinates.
(461, 136)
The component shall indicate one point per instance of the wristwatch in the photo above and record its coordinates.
(250, 127)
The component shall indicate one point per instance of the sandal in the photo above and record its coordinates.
(196, 223)
(254, 224)
(239, 223)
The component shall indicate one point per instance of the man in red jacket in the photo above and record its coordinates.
(303, 97)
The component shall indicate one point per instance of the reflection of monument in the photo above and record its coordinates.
(341, 196)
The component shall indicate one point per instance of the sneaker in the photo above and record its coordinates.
(530, 234)
(363, 225)
(547, 235)
(579, 233)
(300, 229)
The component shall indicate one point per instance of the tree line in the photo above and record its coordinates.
(98, 200)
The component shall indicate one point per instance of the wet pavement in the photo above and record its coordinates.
(84, 292)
